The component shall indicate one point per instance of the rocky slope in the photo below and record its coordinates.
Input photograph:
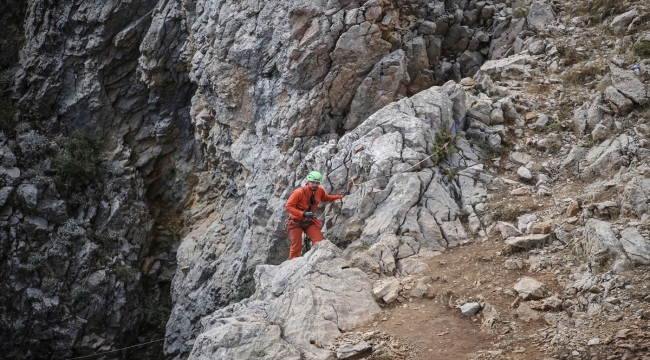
(211, 112)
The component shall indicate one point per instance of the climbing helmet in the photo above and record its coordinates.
(314, 176)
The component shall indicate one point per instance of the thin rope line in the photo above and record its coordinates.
(403, 171)
(128, 347)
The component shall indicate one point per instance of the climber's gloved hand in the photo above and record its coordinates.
(345, 193)
(307, 214)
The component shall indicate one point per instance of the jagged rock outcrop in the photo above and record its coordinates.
(311, 298)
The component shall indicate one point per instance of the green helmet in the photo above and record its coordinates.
(314, 176)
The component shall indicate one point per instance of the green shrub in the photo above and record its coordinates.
(463, 216)
(246, 288)
(642, 49)
(76, 164)
(445, 145)
(125, 273)
(490, 150)
(156, 312)
(7, 123)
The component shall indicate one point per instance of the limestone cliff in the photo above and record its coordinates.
(210, 112)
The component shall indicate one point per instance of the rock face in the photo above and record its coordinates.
(210, 113)
(311, 298)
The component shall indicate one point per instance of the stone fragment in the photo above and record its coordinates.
(469, 309)
(622, 21)
(347, 351)
(527, 242)
(543, 227)
(602, 247)
(525, 313)
(621, 104)
(28, 195)
(507, 230)
(629, 85)
(530, 289)
(5, 192)
(572, 209)
(520, 158)
(524, 173)
(636, 246)
(540, 15)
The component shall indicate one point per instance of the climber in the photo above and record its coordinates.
(301, 206)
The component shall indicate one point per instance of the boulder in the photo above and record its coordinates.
(621, 104)
(347, 351)
(507, 230)
(314, 297)
(636, 246)
(629, 84)
(622, 21)
(602, 247)
(469, 309)
(524, 173)
(540, 15)
(530, 289)
(527, 242)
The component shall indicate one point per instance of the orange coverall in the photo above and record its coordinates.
(298, 203)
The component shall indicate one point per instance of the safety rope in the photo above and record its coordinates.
(403, 171)
(128, 347)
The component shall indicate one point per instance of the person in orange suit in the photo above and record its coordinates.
(301, 206)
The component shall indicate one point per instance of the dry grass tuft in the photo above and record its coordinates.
(599, 10)
(582, 75)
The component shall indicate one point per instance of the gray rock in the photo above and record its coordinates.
(28, 195)
(520, 158)
(619, 102)
(347, 351)
(524, 220)
(5, 192)
(525, 243)
(507, 230)
(629, 85)
(55, 211)
(530, 289)
(622, 21)
(470, 309)
(602, 247)
(9, 176)
(309, 298)
(636, 246)
(542, 120)
(540, 15)
(524, 173)
(537, 47)
(600, 132)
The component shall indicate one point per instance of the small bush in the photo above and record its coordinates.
(600, 10)
(363, 247)
(7, 123)
(554, 144)
(445, 145)
(463, 216)
(507, 211)
(490, 150)
(125, 273)
(582, 76)
(156, 312)
(81, 153)
(246, 288)
(71, 230)
(570, 55)
(642, 49)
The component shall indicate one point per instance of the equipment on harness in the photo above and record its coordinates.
(307, 214)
